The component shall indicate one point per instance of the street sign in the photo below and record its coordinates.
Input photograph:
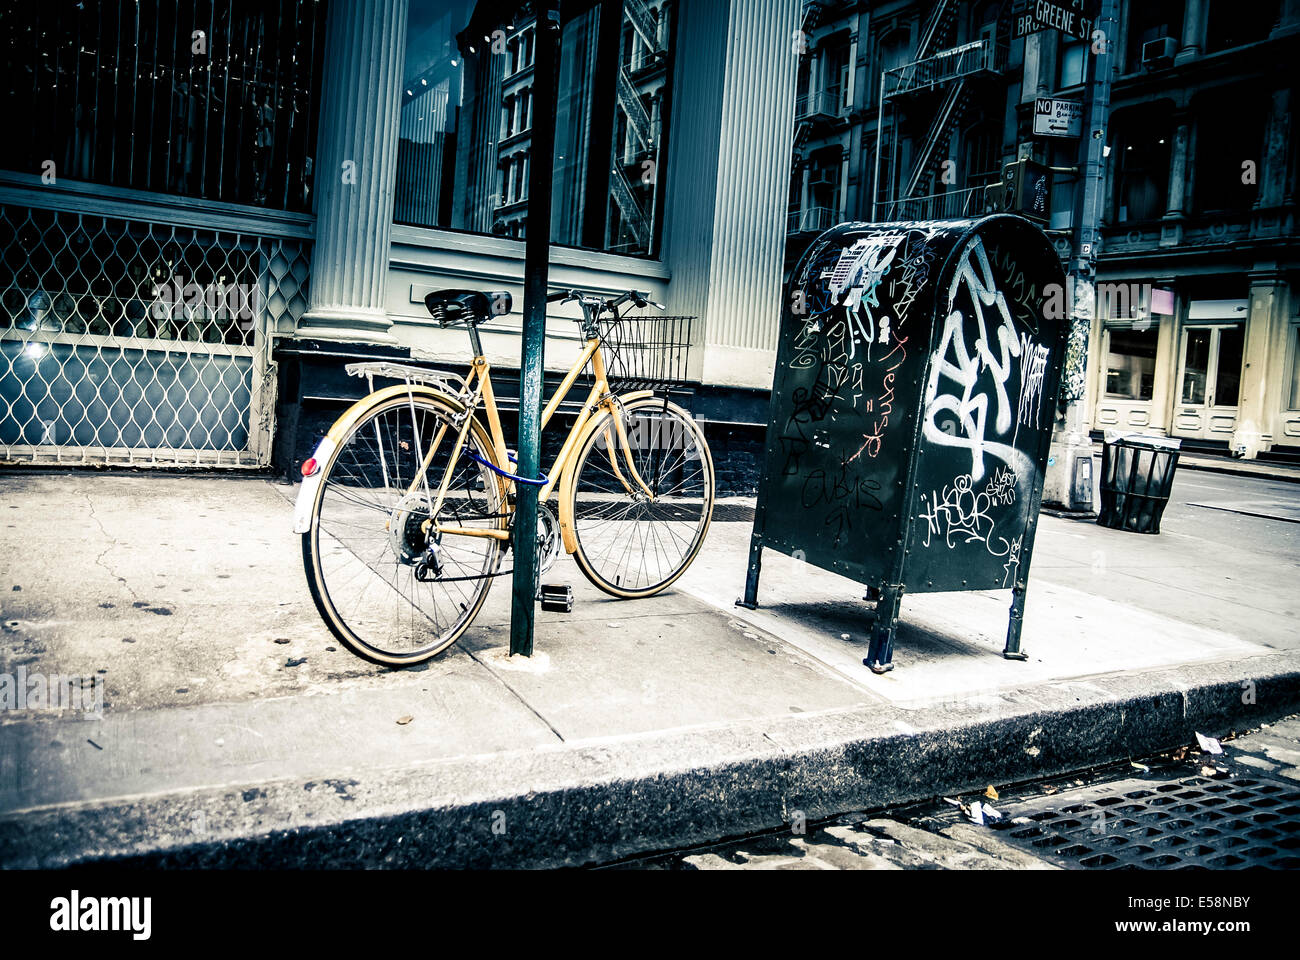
(1072, 17)
(1057, 118)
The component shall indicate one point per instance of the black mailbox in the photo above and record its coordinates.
(912, 409)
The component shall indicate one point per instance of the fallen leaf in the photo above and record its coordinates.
(405, 720)
(991, 793)
(1180, 753)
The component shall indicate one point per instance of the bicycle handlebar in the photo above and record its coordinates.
(632, 296)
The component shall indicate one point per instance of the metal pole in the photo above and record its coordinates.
(880, 127)
(537, 250)
(1072, 442)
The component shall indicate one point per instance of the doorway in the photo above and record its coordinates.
(1209, 381)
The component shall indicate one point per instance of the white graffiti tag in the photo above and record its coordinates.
(954, 361)
(961, 515)
(854, 280)
(1033, 370)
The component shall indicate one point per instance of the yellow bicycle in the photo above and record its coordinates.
(406, 504)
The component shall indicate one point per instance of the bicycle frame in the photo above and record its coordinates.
(598, 401)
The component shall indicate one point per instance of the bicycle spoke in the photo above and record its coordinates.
(627, 541)
(371, 533)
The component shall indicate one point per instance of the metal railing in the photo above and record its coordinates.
(827, 103)
(810, 220)
(127, 341)
(946, 65)
(937, 206)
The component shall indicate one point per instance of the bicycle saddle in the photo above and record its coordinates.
(450, 307)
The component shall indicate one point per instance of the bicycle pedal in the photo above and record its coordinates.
(556, 597)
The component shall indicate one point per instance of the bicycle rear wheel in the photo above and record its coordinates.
(631, 544)
(387, 589)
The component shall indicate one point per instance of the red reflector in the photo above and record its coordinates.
(309, 466)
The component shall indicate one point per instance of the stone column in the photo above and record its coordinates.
(1263, 375)
(356, 157)
(1164, 388)
(1193, 41)
(1270, 218)
(1171, 232)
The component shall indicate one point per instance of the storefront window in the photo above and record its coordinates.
(214, 99)
(1131, 362)
(468, 113)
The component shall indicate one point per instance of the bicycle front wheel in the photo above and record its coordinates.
(635, 538)
(387, 585)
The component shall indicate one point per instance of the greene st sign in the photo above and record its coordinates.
(1074, 18)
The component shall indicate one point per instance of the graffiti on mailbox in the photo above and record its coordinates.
(856, 344)
(972, 366)
(851, 346)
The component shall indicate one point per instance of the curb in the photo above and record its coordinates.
(600, 801)
(1231, 469)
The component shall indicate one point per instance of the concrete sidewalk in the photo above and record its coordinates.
(237, 731)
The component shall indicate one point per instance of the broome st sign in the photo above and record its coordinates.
(1072, 17)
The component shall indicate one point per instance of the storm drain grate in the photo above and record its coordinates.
(1222, 824)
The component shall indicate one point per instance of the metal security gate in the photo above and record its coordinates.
(136, 342)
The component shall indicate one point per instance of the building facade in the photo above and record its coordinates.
(909, 110)
(215, 205)
(223, 203)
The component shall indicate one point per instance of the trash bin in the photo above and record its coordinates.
(912, 408)
(1137, 475)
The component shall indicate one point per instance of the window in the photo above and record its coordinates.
(824, 181)
(1237, 117)
(836, 75)
(1071, 63)
(116, 94)
(1151, 20)
(1142, 183)
(982, 154)
(1131, 362)
(894, 50)
(1233, 23)
(468, 113)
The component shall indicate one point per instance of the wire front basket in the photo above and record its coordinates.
(646, 352)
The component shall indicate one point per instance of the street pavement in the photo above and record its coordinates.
(236, 730)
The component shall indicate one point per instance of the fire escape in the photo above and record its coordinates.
(637, 203)
(936, 84)
(817, 112)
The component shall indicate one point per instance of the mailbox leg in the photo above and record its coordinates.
(1016, 621)
(880, 653)
(750, 600)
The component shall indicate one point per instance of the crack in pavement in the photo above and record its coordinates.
(99, 560)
